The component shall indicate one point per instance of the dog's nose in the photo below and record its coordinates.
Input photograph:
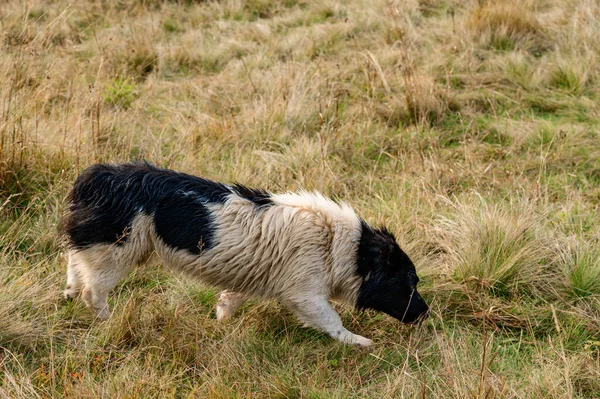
(423, 316)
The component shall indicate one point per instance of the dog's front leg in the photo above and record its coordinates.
(317, 312)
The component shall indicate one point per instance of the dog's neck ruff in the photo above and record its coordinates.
(345, 228)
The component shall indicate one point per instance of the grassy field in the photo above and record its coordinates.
(470, 129)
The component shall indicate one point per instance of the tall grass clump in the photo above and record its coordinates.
(580, 266)
(23, 298)
(426, 101)
(504, 24)
(120, 93)
(570, 78)
(497, 247)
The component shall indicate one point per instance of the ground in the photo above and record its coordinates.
(469, 129)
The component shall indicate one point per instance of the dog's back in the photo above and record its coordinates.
(106, 198)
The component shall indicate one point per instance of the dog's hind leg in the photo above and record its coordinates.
(228, 303)
(102, 269)
(74, 278)
(317, 312)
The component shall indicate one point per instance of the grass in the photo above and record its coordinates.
(119, 93)
(468, 128)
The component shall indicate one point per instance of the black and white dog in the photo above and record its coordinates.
(299, 248)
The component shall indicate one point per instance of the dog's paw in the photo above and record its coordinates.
(223, 312)
(102, 313)
(354, 339)
(362, 341)
(70, 293)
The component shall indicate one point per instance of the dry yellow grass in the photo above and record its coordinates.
(468, 128)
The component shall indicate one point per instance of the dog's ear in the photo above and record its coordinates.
(386, 243)
(384, 248)
(376, 249)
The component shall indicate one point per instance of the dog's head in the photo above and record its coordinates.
(389, 280)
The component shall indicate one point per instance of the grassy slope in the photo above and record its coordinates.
(470, 129)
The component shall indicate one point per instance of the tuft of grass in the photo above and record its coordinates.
(580, 265)
(170, 25)
(36, 13)
(120, 93)
(496, 248)
(503, 24)
(426, 101)
(140, 62)
(183, 61)
(136, 58)
(569, 78)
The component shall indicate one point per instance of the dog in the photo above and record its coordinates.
(301, 249)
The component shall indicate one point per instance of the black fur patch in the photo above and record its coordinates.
(184, 223)
(389, 276)
(106, 198)
(259, 197)
(375, 247)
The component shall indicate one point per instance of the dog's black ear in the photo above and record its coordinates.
(376, 250)
(383, 248)
(385, 242)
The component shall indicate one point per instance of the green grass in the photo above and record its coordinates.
(120, 93)
(469, 129)
(582, 273)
